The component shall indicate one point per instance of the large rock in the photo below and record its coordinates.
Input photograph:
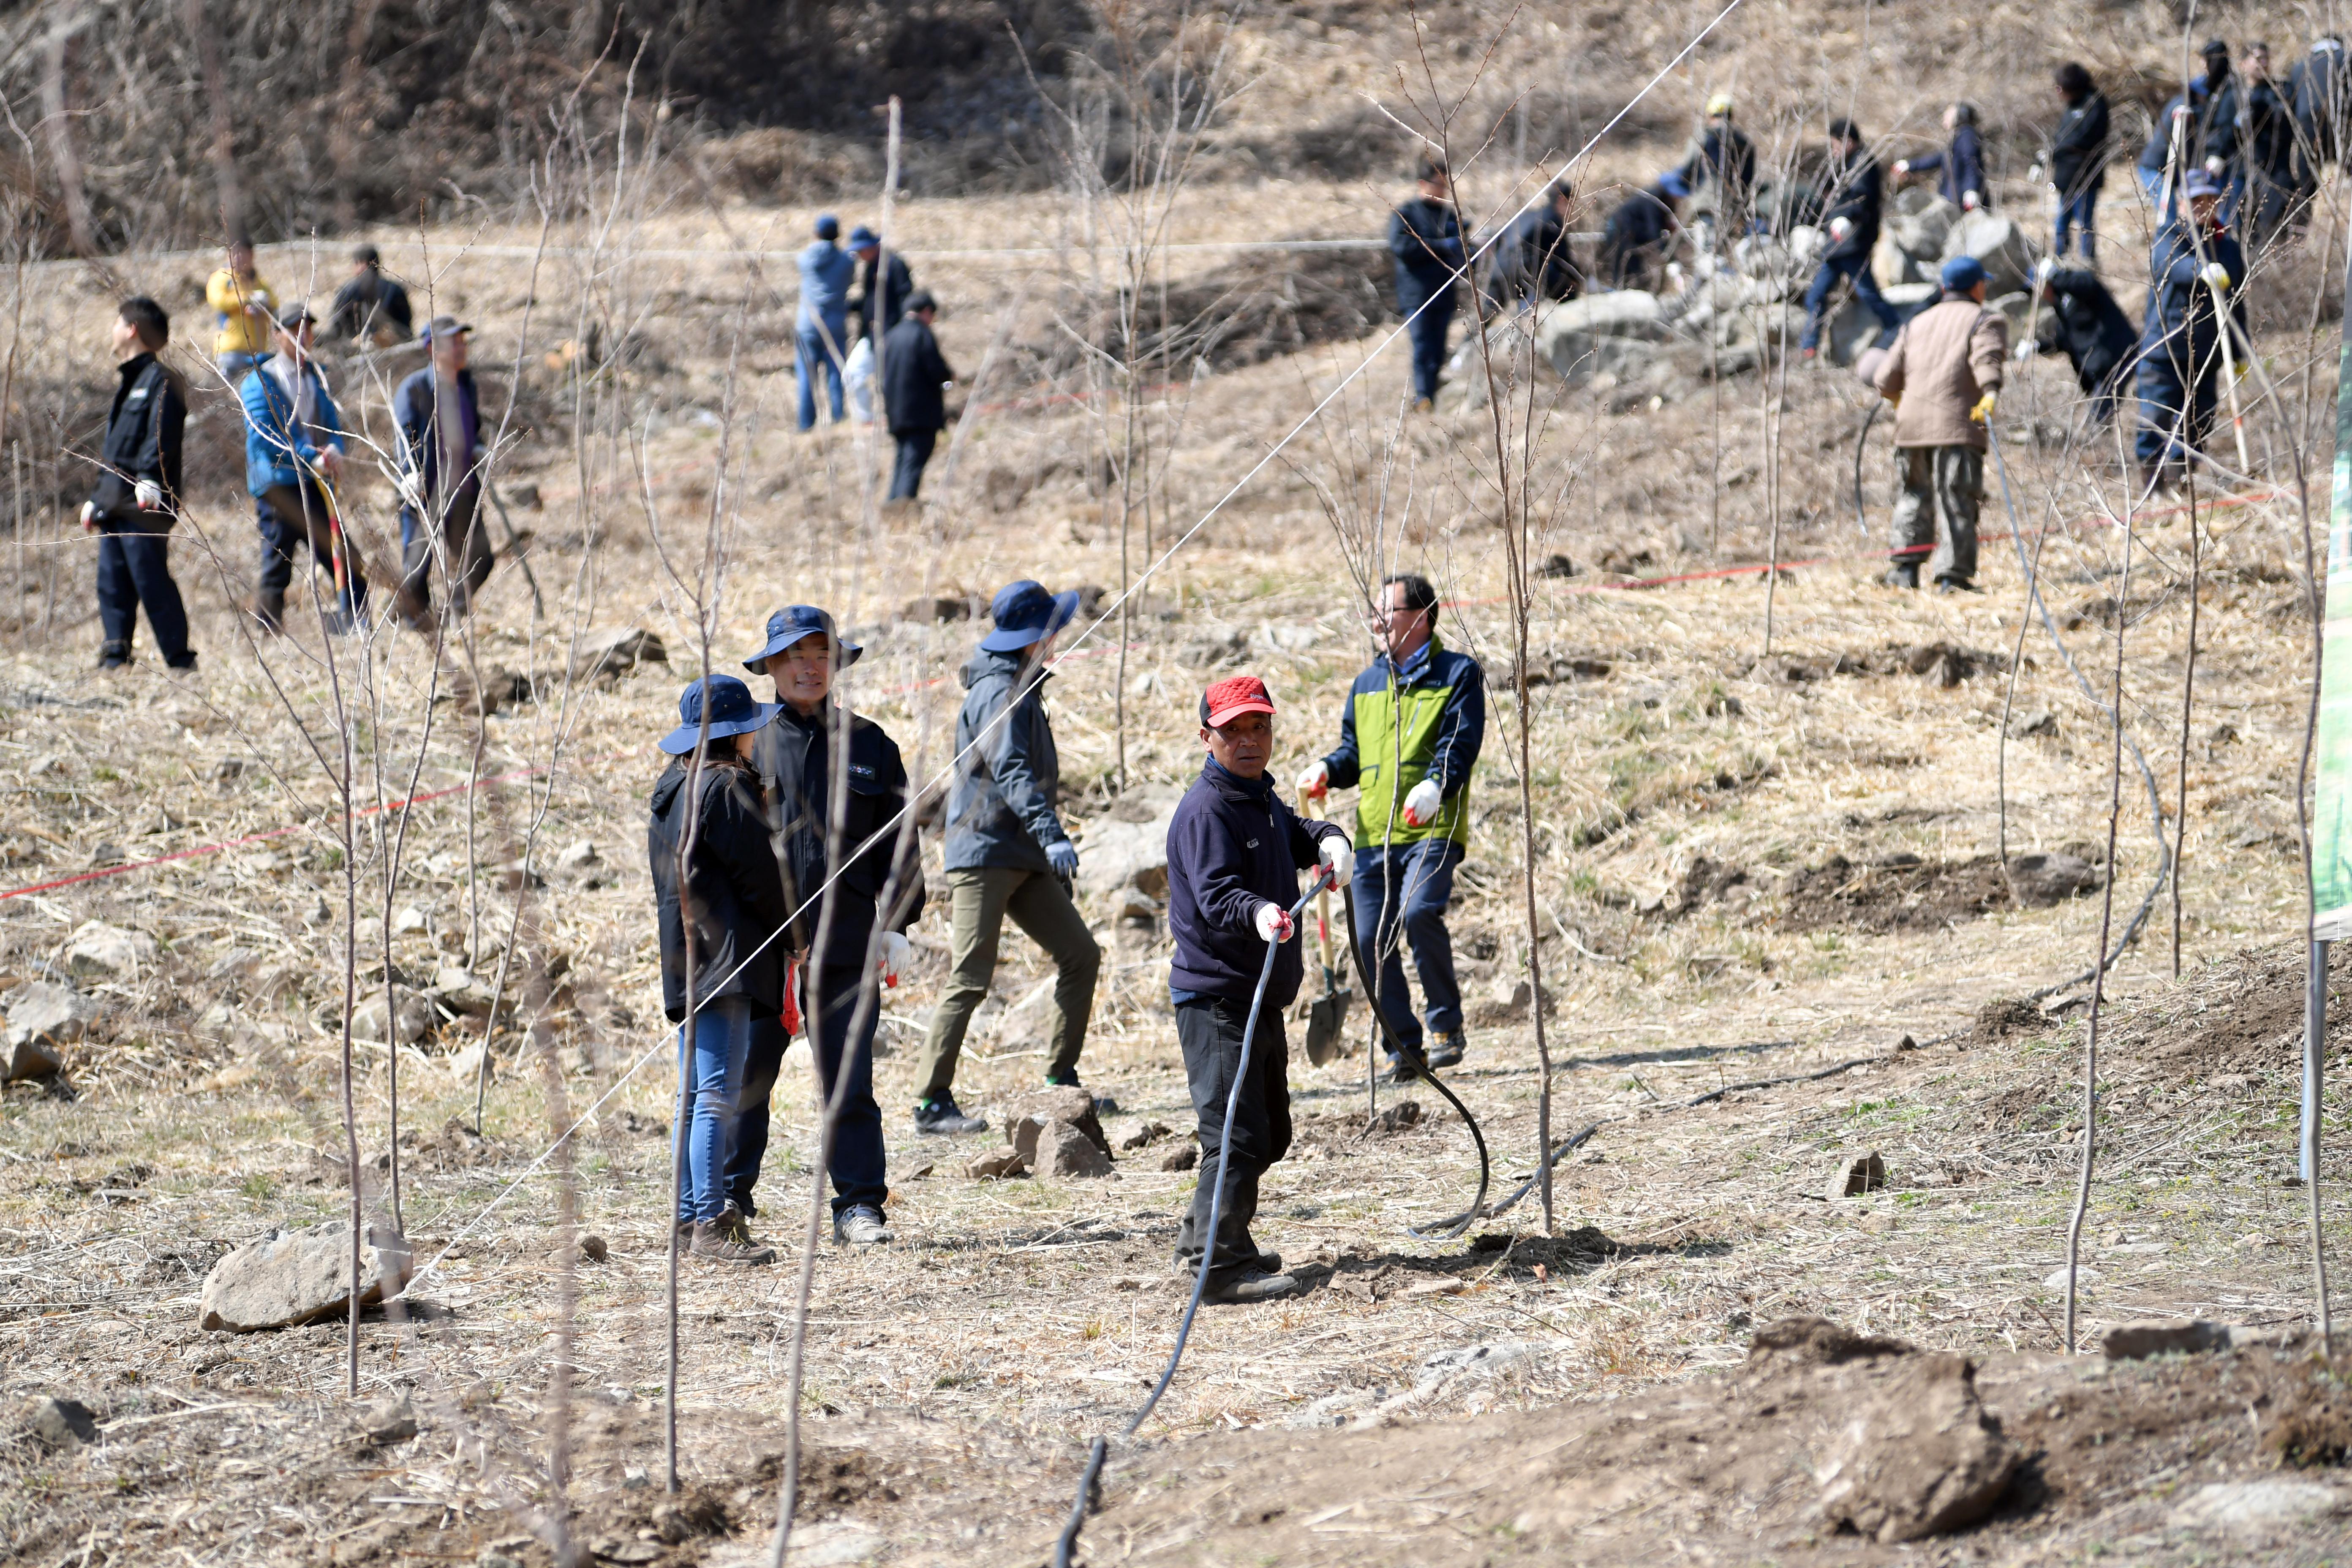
(1920, 1456)
(292, 1277)
(413, 1017)
(1996, 241)
(42, 1019)
(1066, 1153)
(1911, 243)
(1026, 1117)
(1853, 328)
(2041, 881)
(1127, 855)
(606, 656)
(1580, 338)
(101, 951)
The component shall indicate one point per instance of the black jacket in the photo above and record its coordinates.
(1233, 846)
(1726, 156)
(732, 884)
(1426, 240)
(891, 296)
(1532, 260)
(142, 433)
(2267, 139)
(1635, 236)
(2318, 87)
(2078, 153)
(914, 378)
(1856, 190)
(2083, 322)
(369, 301)
(794, 759)
(1961, 167)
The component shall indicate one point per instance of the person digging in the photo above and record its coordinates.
(1234, 852)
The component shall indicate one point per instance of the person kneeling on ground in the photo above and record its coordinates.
(1234, 852)
(708, 848)
(803, 654)
(1949, 358)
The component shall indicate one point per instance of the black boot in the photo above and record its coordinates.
(269, 609)
(114, 655)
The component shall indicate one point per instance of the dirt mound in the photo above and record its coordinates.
(1900, 892)
(1937, 663)
(2229, 1016)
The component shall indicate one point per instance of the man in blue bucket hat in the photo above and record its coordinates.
(1943, 374)
(1007, 853)
(707, 853)
(853, 892)
(2195, 269)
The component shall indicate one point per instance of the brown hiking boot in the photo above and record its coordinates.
(714, 1241)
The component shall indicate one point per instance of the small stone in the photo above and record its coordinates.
(293, 1277)
(1063, 1104)
(1921, 1457)
(465, 1066)
(1143, 1137)
(2254, 1506)
(409, 918)
(101, 951)
(42, 1017)
(1066, 1154)
(2044, 879)
(592, 1249)
(2040, 721)
(62, 1423)
(387, 1420)
(998, 1164)
(578, 857)
(1182, 1159)
(2056, 1279)
(2136, 1341)
(412, 1019)
(1863, 1173)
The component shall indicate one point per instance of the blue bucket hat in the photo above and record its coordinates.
(1025, 614)
(861, 236)
(2199, 184)
(1962, 273)
(1673, 184)
(792, 623)
(732, 712)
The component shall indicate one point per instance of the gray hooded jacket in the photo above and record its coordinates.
(1001, 807)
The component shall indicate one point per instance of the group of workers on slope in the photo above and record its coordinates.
(847, 340)
(783, 907)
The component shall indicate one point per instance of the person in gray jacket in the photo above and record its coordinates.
(1007, 853)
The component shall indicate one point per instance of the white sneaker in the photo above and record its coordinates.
(861, 1227)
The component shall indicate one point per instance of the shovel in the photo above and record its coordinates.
(1329, 1016)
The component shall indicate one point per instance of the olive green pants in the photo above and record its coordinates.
(980, 901)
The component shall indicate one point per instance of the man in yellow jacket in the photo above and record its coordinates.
(243, 308)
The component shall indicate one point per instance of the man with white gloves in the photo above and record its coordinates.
(874, 894)
(1234, 852)
(138, 492)
(1409, 738)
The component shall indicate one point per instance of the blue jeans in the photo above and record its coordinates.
(710, 1057)
(819, 350)
(2074, 212)
(1428, 331)
(233, 366)
(1405, 888)
(1865, 289)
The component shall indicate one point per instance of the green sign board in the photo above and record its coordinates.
(2331, 805)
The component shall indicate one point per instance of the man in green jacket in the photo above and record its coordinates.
(1408, 738)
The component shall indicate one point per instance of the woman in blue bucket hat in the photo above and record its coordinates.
(710, 855)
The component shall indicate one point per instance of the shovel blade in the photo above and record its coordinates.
(1327, 1025)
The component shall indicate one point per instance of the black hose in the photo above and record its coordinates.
(1861, 514)
(1417, 1067)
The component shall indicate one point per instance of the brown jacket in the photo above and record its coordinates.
(1944, 360)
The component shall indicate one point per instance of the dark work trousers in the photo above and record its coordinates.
(1209, 1029)
(1428, 330)
(1402, 891)
(761, 1064)
(134, 568)
(289, 518)
(2074, 218)
(461, 554)
(914, 451)
(2174, 418)
(857, 1166)
(1935, 512)
(1865, 289)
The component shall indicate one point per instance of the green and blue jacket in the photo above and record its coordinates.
(1426, 721)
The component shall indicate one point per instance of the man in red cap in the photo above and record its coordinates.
(1234, 852)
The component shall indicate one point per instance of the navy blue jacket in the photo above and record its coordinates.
(1635, 236)
(1425, 237)
(142, 433)
(2318, 87)
(1856, 189)
(1962, 167)
(1233, 846)
(793, 756)
(2078, 153)
(731, 884)
(890, 294)
(1727, 157)
(412, 410)
(2084, 321)
(2207, 119)
(914, 378)
(1001, 806)
(2181, 328)
(2267, 142)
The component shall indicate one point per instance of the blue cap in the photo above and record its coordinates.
(1025, 614)
(827, 227)
(732, 712)
(2199, 184)
(1962, 273)
(794, 623)
(861, 236)
(1673, 184)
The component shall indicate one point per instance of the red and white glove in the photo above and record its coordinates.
(1840, 228)
(1421, 804)
(1971, 201)
(892, 958)
(1274, 923)
(1902, 167)
(89, 514)
(1316, 781)
(149, 495)
(1337, 854)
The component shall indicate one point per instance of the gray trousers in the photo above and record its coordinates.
(1935, 514)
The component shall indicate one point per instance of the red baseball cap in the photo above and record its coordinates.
(1229, 699)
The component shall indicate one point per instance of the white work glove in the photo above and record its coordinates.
(2023, 351)
(1840, 228)
(1902, 167)
(2214, 166)
(896, 951)
(1273, 922)
(411, 491)
(1063, 855)
(1971, 201)
(89, 514)
(150, 495)
(1421, 804)
(1316, 781)
(1335, 852)
(2215, 275)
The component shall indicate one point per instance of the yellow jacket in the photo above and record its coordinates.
(242, 311)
